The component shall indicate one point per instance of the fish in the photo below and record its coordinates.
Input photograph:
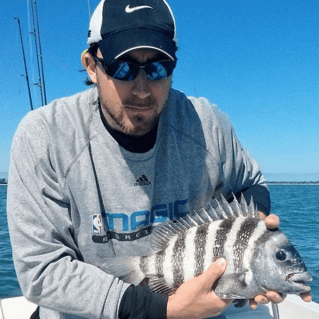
(258, 259)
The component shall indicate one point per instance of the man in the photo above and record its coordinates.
(92, 174)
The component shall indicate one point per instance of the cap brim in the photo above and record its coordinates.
(122, 42)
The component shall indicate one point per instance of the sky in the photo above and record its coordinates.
(257, 60)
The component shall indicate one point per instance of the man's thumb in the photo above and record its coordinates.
(214, 271)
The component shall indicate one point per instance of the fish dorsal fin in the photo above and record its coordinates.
(201, 220)
(222, 210)
(252, 209)
(249, 210)
(163, 233)
(212, 212)
(236, 206)
(228, 209)
(243, 203)
(194, 222)
(209, 218)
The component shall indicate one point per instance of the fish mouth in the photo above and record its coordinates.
(299, 280)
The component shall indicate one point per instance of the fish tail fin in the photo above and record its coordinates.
(125, 268)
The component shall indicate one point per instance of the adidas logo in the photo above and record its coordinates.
(142, 181)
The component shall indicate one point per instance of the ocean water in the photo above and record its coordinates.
(9, 285)
(296, 205)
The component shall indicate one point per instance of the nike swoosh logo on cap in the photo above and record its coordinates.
(130, 10)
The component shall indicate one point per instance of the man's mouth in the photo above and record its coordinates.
(141, 108)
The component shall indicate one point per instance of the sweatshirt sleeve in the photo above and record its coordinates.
(240, 172)
(139, 302)
(48, 262)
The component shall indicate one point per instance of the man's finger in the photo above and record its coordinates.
(306, 296)
(272, 221)
(214, 271)
(275, 297)
(253, 304)
(261, 299)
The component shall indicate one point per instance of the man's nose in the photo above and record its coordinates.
(141, 85)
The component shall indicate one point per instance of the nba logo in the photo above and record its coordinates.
(97, 224)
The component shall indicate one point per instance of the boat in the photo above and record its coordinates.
(291, 308)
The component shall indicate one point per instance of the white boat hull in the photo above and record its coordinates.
(291, 308)
(294, 308)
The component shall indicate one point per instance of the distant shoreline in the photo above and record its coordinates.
(293, 183)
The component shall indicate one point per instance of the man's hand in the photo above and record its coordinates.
(272, 222)
(195, 297)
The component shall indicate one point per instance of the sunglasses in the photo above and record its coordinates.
(128, 71)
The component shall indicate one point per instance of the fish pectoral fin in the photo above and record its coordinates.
(158, 284)
(230, 285)
(230, 277)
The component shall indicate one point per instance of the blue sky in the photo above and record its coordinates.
(258, 60)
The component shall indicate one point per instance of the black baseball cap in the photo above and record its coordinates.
(120, 26)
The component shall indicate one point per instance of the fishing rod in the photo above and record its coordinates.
(89, 8)
(39, 84)
(36, 34)
(25, 63)
(40, 51)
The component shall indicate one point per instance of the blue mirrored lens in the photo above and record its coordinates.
(128, 71)
(123, 72)
(156, 71)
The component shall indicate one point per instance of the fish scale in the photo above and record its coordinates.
(258, 259)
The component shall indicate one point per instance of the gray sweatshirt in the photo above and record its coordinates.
(75, 197)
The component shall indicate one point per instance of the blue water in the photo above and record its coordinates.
(8, 282)
(296, 205)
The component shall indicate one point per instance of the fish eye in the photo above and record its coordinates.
(280, 255)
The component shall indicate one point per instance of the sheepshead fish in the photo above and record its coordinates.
(258, 259)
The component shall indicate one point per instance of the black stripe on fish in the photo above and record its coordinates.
(159, 262)
(144, 264)
(200, 245)
(177, 259)
(261, 241)
(221, 237)
(264, 237)
(243, 235)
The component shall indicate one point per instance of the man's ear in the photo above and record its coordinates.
(90, 66)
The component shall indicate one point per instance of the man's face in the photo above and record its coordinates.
(133, 107)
